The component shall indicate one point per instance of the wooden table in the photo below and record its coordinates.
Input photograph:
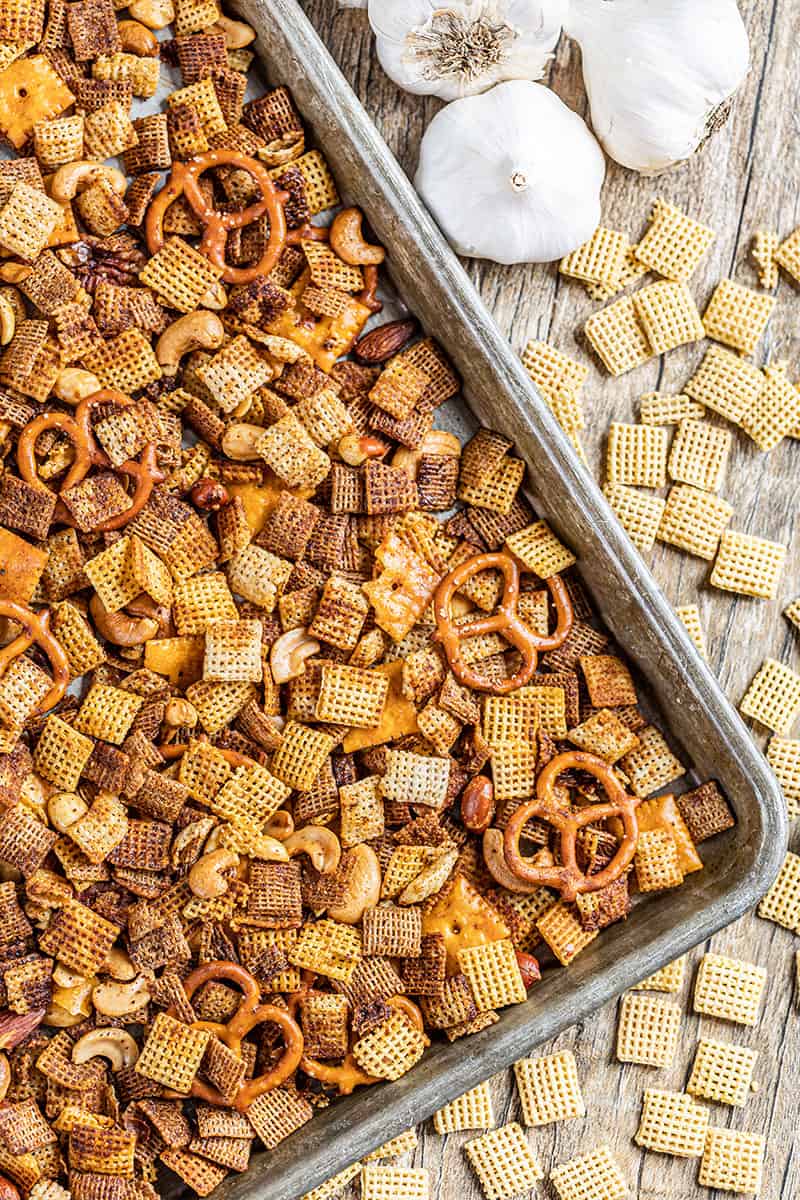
(745, 179)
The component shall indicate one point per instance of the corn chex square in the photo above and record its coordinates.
(599, 260)
(540, 550)
(748, 565)
(775, 413)
(637, 455)
(783, 755)
(782, 902)
(473, 1110)
(639, 513)
(672, 1123)
(667, 979)
(651, 764)
(668, 315)
(788, 254)
(390, 1050)
(763, 249)
(674, 242)
(493, 973)
(694, 520)
(233, 651)
(563, 932)
(301, 755)
(657, 861)
(648, 1029)
(107, 712)
(172, 1053)
(722, 1071)
(351, 695)
(504, 1162)
(725, 383)
(773, 698)
(664, 408)
(549, 1088)
(394, 1183)
(327, 947)
(737, 315)
(404, 1143)
(689, 617)
(592, 1176)
(699, 454)
(415, 778)
(61, 754)
(729, 988)
(733, 1161)
(617, 337)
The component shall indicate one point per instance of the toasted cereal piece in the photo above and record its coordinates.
(404, 1143)
(61, 753)
(504, 1162)
(725, 383)
(699, 454)
(561, 929)
(473, 1110)
(604, 735)
(394, 1183)
(656, 861)
(334, 1186)
(100, 830)
(233, 651)
(672, 1123)
(327, 947)
(733, 1161)
(608, 681)
(287, 447)
(729, 988)
(24, 840)
(107, 712)
(142, 73)
(415, 778)
(648, 1029)
(668, 315)
(201, 600)
(689, 616)
(783, 755)
(549, 1088)
(775, 414)
(592, 1176)
(722, 1071)
(763, 249)
(514, 768)
(666, 979)
(198, 1173)
(493, 973)
(617, 337)
(80, 937)
(705, 811)
(340, 613)
(391, 1049)
(638, 512)
(637, 455)
(748, 565)
(126, 362)
(179, 274)
(235, 372)
(23, 686)
(301, 755)
(99, 1148)
(496, 489)
(599, 260)
(737, 316)
(773, 698)
(662, 408)
(694, 520)
(674, 243)
(782, 902)
(540, 550)
(513, 718)
(258, 576)
(172, 1053)
(361, 808)
(651, 764)
(27, 220)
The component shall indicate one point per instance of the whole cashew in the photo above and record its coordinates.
(363, 887)
(240, 442)
(64, 809)
(498, 867)
(77, 176)
(118, 965)
(280, 825)
(199, 330)
(145, 606)
(238, 34)
(117, 1045)
(119, 628)
(320, 844)
(355, 448)
(121, 999)
(189, 841)
(8, 318)
(180, 714)
(216, 297)
(137, 39)
(155, 14)
(288, 654)
(347, 240)
(207, 878)
(14, 272)
(74, 384)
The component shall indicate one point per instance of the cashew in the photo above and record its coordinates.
(118, 965)
(347, 240)
(119, 628)
(320, 844)
(238, 34)
(64, 809)
(5, 1080)
(216, 297)
(117, 1045)
(240, 442)
(69, 1005)
(8, 319)
(66, 978)
(145, 606)
(288, 654)
(155, 14)
(77, 176)
(14, 272)
(363, 888)
(280, 825)
(180, 714)
(355, 449)
(207, 877)
(137, 39)
(199, 330)
(499, 869)
(121, 999)
(74, 384)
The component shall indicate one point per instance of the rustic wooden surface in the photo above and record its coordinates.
(745, 179)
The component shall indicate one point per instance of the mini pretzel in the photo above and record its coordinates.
(249, 1014)
(505, 621)
(36, 628)
(567, 876)
(184, 180)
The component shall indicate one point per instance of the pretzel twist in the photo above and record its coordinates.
(36, 628)
(505, 621)
(248, 1015)
(567, 876)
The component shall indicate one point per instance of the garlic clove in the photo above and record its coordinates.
(512, 175)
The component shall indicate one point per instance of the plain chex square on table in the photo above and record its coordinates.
(782, 902)
(395, 1183)
(648, 1029)
(637, 455)
(737, 315)
(729, 988)
(473, 1110)
(694, 520)
(749, 565)
(639, 513)
(672, 1123)
(699, 454)
(733, 1161)
(667, 979)
(504, 1162)
(783, 755)
(725, 383)
(773, 698)
(549, 1088)
(592, 1176)
(722, 1071)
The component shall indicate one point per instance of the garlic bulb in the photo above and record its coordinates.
(657, 74)
(453, 48)
(512, 175)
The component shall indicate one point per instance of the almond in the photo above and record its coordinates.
(15, 1027)
(385, 341)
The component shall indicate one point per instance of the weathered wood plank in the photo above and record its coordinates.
(745, 178)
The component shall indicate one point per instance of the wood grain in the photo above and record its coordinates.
(743, 180)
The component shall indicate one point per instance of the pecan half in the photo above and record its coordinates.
(385, 341)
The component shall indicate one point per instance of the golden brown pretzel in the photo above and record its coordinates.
(504, 621)
(567, 876)
(36, 628)
(249, 1014)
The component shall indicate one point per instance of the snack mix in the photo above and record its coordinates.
(311, 745)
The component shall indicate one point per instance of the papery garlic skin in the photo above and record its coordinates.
(455, 48)
(512, 175)
(656, 72)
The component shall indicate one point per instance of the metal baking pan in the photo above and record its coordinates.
(739, 865)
